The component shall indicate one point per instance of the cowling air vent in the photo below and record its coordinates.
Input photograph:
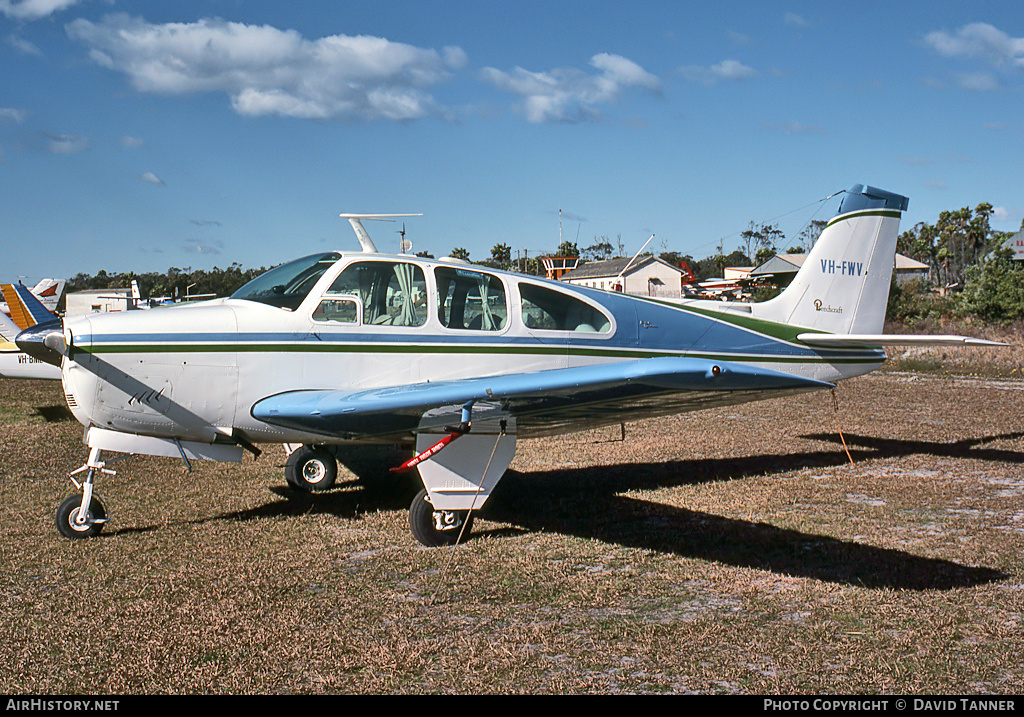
(70, 398)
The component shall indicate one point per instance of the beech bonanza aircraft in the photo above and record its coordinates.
(456, 361)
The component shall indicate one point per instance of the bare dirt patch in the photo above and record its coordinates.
(732, 551)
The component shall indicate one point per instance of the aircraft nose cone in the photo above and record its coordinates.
(33, 341)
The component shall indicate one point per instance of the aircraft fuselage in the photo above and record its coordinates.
(371, 321)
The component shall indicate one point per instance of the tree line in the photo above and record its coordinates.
(175, 283)
(971, 270)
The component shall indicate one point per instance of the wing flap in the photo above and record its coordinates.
(603, 387)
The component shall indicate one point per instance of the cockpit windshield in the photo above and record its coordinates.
(287, 285)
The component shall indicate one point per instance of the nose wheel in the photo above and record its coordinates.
(74, 523)
(83, 515)
(436, 528)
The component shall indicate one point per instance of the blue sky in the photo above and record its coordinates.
(137, 136)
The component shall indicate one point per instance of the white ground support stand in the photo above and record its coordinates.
(459, 468)
(462, 476)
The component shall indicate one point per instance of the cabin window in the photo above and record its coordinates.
(551, 310)
(392, 293)
(343, 310)
(287, 285)
(470, 300)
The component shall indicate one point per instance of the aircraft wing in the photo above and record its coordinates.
(582, 396)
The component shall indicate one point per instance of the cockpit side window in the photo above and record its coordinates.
(469, 299)
(287, 285)
(392, 293)
(550, 310)
(340, 310)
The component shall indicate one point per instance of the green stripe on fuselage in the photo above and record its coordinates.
(395, 348)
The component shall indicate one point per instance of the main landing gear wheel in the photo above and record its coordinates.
(311, 470)
(436, 528)
(72, 524)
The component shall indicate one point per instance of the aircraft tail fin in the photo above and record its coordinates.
(26, 310)
(49, 292)
(843, 285)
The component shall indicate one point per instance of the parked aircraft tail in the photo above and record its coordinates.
(26, 309)
(49, 291)
(843, 285)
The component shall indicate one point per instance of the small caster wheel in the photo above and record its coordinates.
(436, 528)
(72, 524)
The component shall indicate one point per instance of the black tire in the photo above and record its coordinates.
(424, 522)
(68, 512)
(311, 469)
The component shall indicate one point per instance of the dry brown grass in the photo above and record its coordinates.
(732, 551)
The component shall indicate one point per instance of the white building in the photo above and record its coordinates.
(92, 301)
(646, 276)
(1016, 242)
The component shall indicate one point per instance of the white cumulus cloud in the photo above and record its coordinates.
(977, 81)
(13, 114)
(569, 94)
(23, 46)
(981, 40)
(724, 70)
(33, 9)
(265, 70)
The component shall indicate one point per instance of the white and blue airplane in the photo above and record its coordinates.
(453, 362)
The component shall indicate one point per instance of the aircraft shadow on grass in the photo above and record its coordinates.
(964, 448)
(55, 414)
(588, 503)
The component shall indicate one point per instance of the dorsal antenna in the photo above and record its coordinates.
(356, 220)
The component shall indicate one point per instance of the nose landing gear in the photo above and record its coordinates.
(83, 516)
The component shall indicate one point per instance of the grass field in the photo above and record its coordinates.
(732, 551)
